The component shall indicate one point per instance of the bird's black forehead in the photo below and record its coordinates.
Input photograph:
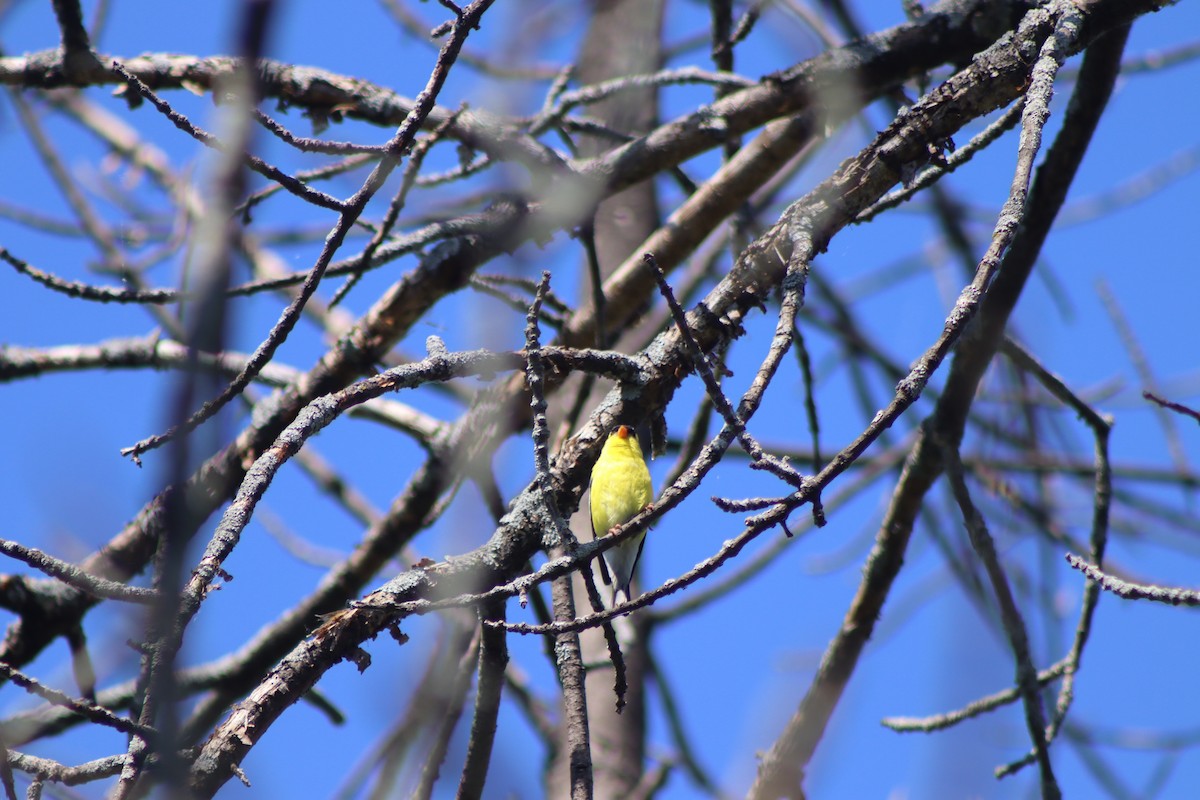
(626, 423)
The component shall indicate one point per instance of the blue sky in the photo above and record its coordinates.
(740, 667)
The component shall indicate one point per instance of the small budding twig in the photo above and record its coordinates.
(719, 400)
(1134, 591)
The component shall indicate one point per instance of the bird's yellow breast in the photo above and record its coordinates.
(621, 484)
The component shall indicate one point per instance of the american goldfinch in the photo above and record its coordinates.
(621, 488)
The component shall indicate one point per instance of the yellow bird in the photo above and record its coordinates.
(621, 488)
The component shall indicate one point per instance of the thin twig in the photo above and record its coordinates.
(85, 709)
(74, 576)
(716, 395)
(1134, 591)
(1178, 408)
(489, 685)
(973, 709)
(1014, 623)
(350, 211)
(456, 696)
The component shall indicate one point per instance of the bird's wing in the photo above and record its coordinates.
(636, 559)
(604, 576)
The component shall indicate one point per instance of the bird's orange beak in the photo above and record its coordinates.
(623, 432)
